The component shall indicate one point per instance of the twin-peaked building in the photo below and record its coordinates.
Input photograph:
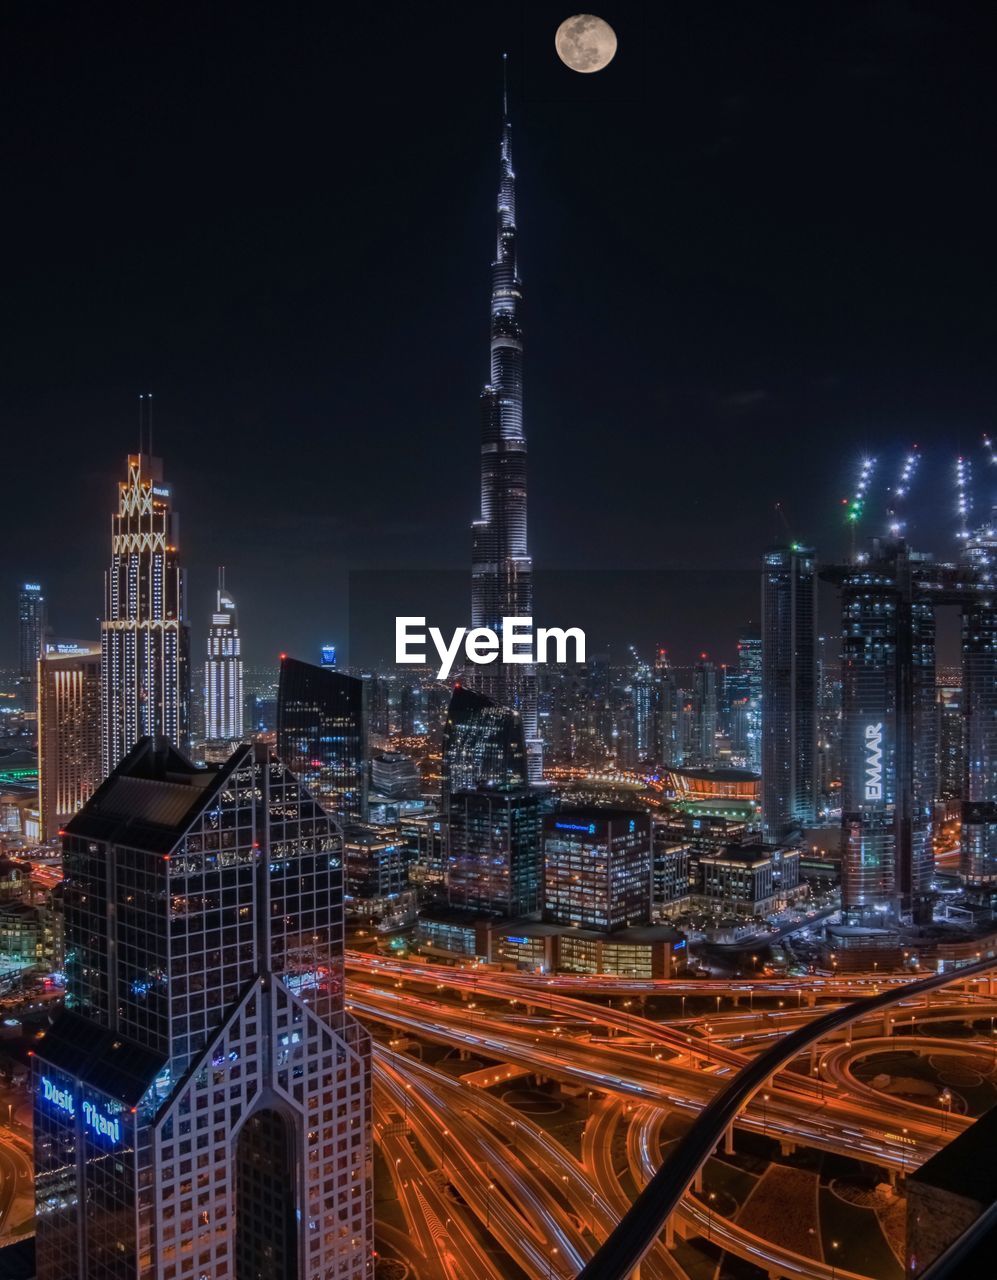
(202, 1105)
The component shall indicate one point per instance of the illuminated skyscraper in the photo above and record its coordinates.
(789, 690)
(889, 733)
(598, 868)
(202, 1104)
(979, 710)
(749, 688)
(31, 621)
(502, 570)
(322, 735)
(69, 758)
(223, 694)
(145, 638)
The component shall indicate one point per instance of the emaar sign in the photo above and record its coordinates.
(874, 761)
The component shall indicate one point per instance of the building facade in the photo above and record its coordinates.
(789, 690)
(223, 686)
(322, 735)
(495, 861)
(202, 1104)
(69, 738)
(145, 639)
(598, 868)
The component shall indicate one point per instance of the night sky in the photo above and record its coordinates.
(758, 244)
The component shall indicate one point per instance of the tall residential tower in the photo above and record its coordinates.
(31, 626)
(789, 690)
(69, 760)
(145, 639)
(502, 570)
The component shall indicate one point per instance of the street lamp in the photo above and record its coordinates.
(550, 1262)
(709, 1215)
(765, 1113)
(946, 1101)
(443, 1151)
(834, 1257)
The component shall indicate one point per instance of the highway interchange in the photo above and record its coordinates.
(494, 1182)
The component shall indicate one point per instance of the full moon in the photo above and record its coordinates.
(585, 43)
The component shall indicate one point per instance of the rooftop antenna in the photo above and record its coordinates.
(505, 86)
(145, 422)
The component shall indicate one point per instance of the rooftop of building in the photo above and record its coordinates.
(106, 1060)
(721, 773)
(151, 798)
(636, 933)
(747, 855)
(596, 813)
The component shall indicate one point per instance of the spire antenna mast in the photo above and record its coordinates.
(505, 86)
(145, 422)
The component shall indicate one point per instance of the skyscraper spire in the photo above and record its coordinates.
(502, 571)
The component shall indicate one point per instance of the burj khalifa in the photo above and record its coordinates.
(502, 570)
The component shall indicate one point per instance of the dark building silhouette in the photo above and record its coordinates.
(322, 735)
(483, 745)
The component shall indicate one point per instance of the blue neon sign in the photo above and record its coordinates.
(587, 827)
(94, 1117)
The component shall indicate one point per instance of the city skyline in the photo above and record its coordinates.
(340, 938)
(702, 379)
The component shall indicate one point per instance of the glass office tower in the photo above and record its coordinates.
(322, 735)
(789, 690)
(202, 1104)
(495, 863)
(483, 745)
(598, 868)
